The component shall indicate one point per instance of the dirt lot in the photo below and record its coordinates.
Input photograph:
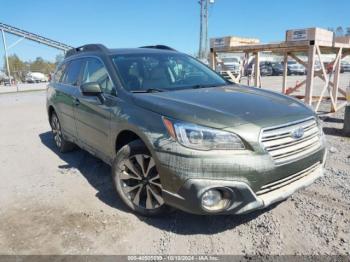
(52, 203)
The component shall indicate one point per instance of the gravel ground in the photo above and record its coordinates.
(54, 203)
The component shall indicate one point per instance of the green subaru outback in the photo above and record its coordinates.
(178, 134)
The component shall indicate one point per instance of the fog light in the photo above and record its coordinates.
(213, 200)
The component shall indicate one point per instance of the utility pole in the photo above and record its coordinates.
(203, 32)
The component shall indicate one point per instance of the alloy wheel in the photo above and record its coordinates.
(56, 131)
(140, 182)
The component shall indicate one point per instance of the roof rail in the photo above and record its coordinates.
(86, 48)
(164, 47)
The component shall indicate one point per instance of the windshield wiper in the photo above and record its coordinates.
(149, 90)
(205, 86)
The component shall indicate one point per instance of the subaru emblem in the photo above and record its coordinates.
(297, 133)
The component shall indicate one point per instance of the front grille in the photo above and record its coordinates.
(283, 147)
(288, 180)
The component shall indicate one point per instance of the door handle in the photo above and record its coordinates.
(76, 101)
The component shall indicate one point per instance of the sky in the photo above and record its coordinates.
(133, 23)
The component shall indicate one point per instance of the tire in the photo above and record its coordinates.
(62, 144)
(137, 180)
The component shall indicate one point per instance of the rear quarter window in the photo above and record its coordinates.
(59, 72)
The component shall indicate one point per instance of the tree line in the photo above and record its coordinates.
(19, 69)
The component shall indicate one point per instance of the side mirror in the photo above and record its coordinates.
(91, 89)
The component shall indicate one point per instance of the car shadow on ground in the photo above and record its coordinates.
(182, 223)
(329, 119)
(97, 173)
(331, 131)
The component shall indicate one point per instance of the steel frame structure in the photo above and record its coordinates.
(27, 35)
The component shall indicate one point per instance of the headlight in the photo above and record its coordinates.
(202, 138)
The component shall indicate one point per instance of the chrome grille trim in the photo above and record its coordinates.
(283, 148)
(288, 180)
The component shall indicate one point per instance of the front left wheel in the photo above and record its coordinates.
(137, 180)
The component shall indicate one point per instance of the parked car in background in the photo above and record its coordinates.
(7, 81)
(2, 77)
(265, 68)
(178, 134)
(277, 68)
(231, 64)
(36, 77)
(344, 66)
(295, 68)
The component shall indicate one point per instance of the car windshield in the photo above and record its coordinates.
(164, 72)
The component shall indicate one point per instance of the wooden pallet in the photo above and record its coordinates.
(318, 42)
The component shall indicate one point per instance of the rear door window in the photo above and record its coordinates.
(71, 76)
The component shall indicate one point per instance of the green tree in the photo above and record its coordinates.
(347, 31)
(42, 66)
(17, 66)
(339, 31)
(38, 65)
(59, 58)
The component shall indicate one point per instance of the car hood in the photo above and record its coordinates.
(226, 106)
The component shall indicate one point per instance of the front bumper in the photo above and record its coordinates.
(243, 198)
